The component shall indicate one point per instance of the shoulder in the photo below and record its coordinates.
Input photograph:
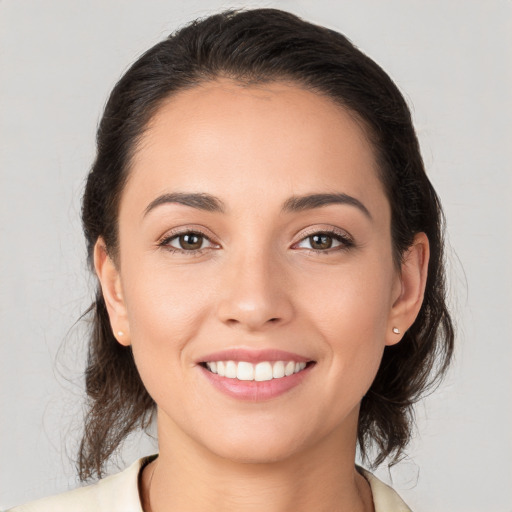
(385, 499)
(120, 493)
(116, 493)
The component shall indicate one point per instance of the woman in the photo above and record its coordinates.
(269, 254)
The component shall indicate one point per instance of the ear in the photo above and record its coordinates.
(411, 289)
(110, 282)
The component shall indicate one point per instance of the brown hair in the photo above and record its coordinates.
(258, 46)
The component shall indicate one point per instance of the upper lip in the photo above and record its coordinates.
(253, 356)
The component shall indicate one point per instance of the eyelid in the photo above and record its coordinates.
(339, 234)
(169, 235)
(323, 228)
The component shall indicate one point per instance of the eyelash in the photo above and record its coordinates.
(164, 243)
(346, 242)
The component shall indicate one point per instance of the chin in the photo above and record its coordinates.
(256, 445)
(254, 453)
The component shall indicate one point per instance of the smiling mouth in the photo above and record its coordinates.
(259, 372)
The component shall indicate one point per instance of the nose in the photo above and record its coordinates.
(255, 294)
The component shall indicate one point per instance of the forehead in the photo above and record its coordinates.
(226, 138)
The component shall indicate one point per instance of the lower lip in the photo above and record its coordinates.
(256, 391)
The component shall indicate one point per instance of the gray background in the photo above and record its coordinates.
(58, 61)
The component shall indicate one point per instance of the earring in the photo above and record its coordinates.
(120, 333)
(396, 330)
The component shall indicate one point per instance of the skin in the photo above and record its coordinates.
(256, 283)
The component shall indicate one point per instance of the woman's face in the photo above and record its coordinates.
(254, 236)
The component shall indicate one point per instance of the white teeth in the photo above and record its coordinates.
(245, 371)
(231, 370)
(289, 368)
(278, 370)
(299, 367)
(259, 372)
(263, 371)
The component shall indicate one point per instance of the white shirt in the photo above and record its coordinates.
(120, 493)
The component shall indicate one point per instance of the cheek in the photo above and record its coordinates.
(351, 310)
(161, 299)
(165, 313)
(356, 299)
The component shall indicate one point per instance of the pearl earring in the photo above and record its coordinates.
(120, 333)
(396, 330)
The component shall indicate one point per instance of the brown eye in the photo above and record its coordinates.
(190, 241)
(320, 241)
(326, 241)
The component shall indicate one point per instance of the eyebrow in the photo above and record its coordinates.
(308, 202)
(204, 202)
(209, 203)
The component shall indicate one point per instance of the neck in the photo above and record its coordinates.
(187, 477)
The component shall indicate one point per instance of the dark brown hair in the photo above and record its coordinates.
(257, 46)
